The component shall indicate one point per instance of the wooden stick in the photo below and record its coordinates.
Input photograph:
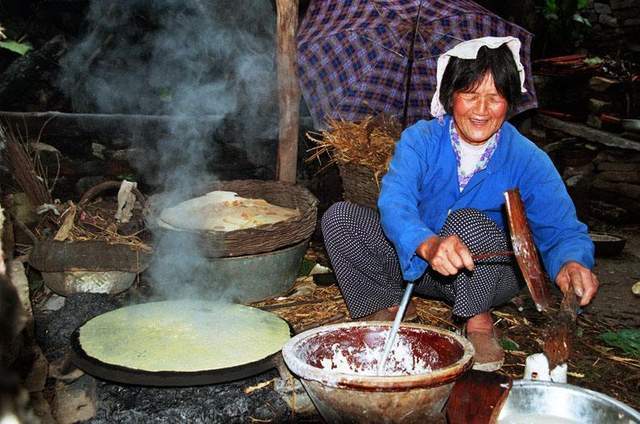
(488, 255)
(288, 90)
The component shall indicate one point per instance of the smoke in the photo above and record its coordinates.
(209, 64)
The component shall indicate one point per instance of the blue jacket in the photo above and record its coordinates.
(421, 188)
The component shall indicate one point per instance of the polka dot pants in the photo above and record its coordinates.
(368, 270)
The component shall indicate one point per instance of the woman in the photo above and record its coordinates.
(442, 201)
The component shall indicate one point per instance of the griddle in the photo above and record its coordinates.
(132, 376)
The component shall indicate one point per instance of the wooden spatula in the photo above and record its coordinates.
(525, 251)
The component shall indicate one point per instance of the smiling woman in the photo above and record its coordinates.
(441, 203)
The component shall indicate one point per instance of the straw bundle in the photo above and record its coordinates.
(23, 168)
(368, 143)
(362, 150)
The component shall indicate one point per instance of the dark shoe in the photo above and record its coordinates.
(489, 354)
(389, 314)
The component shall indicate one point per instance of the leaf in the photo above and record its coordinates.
(508, 344)
(628, 340)
(305, 267)
(582, 4)
(579, 18)
(551, 7)
(14, 46)
(67, 225)
(593, 61)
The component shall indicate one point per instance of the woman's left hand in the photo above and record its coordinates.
(581, 279)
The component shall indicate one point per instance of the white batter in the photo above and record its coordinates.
(401, 360)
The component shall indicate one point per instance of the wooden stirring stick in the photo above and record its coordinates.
(489, 255)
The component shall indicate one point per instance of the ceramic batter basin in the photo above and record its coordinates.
(355, 396)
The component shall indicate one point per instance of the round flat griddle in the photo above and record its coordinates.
(126, 375)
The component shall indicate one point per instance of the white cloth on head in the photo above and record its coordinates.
(469, 50)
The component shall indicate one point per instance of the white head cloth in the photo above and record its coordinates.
(469, 50)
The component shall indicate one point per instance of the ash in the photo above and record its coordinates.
(54, 328)
(115, 403)
(220, 403)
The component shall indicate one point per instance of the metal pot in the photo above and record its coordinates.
(534, 402)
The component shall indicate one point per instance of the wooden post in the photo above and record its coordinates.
(288, 90)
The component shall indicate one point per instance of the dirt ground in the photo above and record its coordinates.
(615, 301)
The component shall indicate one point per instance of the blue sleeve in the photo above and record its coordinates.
(399, 196)
(557, 232)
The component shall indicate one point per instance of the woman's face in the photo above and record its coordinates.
(479, 113)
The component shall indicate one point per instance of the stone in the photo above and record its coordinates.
(609, 212)
(631, 191)
(76, 401)
(618, 167)
(617, 155)
(54, 303)
(599, 106)
(41, 408)
(620, 176)
(63, 369)
(291, 390)
(602, 8)
(631, 22)
(37, 377)
(623, 4)
(608, 20)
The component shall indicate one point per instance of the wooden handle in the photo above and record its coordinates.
(488, 255)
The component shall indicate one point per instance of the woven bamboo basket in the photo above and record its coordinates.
(264, 238)
(360, 184)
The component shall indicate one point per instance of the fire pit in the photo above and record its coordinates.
(337, 366)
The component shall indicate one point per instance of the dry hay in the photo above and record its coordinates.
(369, 142)
(91, 221)
(25, 166)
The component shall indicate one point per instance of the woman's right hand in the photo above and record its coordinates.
(446, 255)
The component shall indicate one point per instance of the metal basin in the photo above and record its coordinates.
(533, 402)
(245, 279)
(70, 282)
(336, 365)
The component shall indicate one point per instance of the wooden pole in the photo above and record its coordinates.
(288, 90)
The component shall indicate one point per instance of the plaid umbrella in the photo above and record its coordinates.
(362, 57)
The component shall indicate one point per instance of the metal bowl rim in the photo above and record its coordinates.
(565, 386)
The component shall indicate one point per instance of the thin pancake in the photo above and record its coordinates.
(183, 336)
(223, 211)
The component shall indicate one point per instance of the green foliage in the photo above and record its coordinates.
(564, 23)
(16, 47)
(508, 344)
(305, 267)
(628, 340)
